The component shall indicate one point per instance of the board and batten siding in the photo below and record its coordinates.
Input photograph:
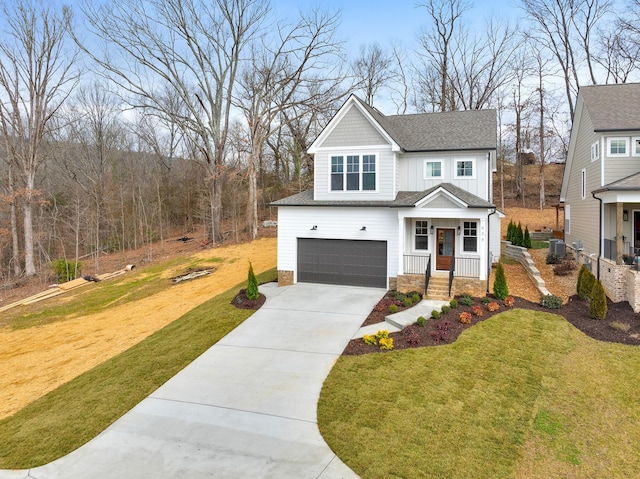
(335, 223)
(410, 171)
(618, 167)
(584, 218)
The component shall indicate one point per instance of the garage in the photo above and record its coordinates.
(348, 262)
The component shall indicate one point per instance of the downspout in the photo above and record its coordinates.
(599, 233)
(489, 259)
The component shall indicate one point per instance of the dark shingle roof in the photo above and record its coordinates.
(453, 130)
(613, 107)
(631, 182)
(404, 199)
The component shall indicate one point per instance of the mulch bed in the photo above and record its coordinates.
(242, 302)
(447, 329)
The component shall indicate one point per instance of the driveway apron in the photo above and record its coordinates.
(246, 408)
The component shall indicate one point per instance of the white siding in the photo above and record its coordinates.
(410, 170)
(335, 223)
(494, 235)
(353, 130)
(617, 167)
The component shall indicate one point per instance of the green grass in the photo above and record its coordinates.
(91, 299)
(523, 394)
(536, 244)
(77, 411)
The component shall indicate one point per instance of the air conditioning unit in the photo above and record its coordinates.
(561, 249)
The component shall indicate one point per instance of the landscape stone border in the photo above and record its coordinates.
(522, 256)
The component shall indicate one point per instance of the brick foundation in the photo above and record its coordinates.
(393, 283)
(409, 282)
(475, 287)
(285, 278)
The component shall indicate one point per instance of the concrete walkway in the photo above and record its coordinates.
(246, 408)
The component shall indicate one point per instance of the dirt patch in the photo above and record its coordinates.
(37, 360)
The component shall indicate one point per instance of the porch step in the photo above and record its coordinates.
(438, 288)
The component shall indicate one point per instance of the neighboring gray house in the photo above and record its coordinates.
(393, 197)
(601, 186)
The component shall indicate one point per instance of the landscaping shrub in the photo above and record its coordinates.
(370, 339)
(415, 297)
(465, 299)
(583, 270)
(586, 285)
(510, 231)
(564, 269)
(485, 300)
(509, 301)
(445, 309)
(598, 304)
(453, 303)
(440, 333)
(252, 284)
(477, 310)
(397, 295)
(500, 288)
(381, 334)
(553, 259)
(393, 309)
(66, 270)
(435, 314)
(519, 235)
(386, 343)
(493, 306)
(551, 301)
(465, 318)
(411, 336)
(620, 326)
(384, 303)
(526, 240)
(421, 321)
(407, 302)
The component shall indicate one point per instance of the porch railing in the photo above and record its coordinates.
(427, 276)
(452, 268)
(467, 267)
(415, 264)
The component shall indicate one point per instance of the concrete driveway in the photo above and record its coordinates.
(246, 408)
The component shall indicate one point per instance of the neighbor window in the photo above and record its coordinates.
(432, 169)
(635, 146)
(595, 151)
(422, 235)
(618, 146)
(584, 184)
(464, 168)
(470, 236)
(349, 176)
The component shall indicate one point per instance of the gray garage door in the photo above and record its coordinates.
(349, 262)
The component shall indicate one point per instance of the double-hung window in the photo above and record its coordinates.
(464, 168)
(470, 237)
(618, 146)
(595, 151)
(352, 174)
(422, 235)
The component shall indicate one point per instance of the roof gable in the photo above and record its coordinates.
(355, 129)
(613, 107)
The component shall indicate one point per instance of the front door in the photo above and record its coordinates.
(446, 248)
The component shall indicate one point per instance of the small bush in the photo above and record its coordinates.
(384, 303)
(493, 306)
(370, 339)
(477, 310)
(411, 336)
(393, 308)
(509, 301)
(415, 297)
(386, 343)
(435, 314)
(485, 300)
(465, 299)
(564, 269)
(465, 318)
(252, 284)
(397, 295)
(453, 303)
(382, 334)
(437, 336)
(620, 326)
(445, 309)
(526, 240)
(500, 288)
(553, 259)
(421, 321)
(550, 301)
(407, 303)
(583, 269)
(66, 270)
(587, 284)
(598, 304)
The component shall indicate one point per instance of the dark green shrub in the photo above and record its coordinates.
(445, 309)
(66, 270)
(511, 231)
(407, 302)
(415, 297)
(519, 235)
(252, 284)
(500, 288)
(583, 270)
(550, 301)
(393, 309)
(453, 303)
(598, 304)
(526, 240)
(435, 314)
(465, 299)
(586, 285)
(397, 295)
(421, 321)
(485, 300)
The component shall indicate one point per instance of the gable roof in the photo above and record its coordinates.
(404, 199)
(613, 107)
(454, 130)
(631, 182)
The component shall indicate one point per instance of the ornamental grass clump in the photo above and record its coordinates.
(252, 285)
(465, 299)
(598, 303)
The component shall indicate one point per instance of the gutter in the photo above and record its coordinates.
(599, 232)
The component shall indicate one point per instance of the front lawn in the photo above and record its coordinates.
(523, 394)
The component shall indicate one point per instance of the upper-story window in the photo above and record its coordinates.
(635, 146)
(595, 151)
(464, 168)
(432, 169)
(470, 236)
(618, 146)
(356, 174)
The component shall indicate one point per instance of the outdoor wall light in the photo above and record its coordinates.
(431, 229)
(314, 227)
(459, 230)
(364, 228)
(625, 215)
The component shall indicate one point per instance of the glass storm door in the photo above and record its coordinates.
(446, 248)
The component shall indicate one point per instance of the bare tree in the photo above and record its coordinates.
(400, 89)
(372, 70)
(194, 49)
(36, 77)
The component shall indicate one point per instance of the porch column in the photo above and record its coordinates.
(619, 242)
(400, 246)
(482, 248)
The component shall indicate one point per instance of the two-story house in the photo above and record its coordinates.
(396, 199)
(601, 186)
